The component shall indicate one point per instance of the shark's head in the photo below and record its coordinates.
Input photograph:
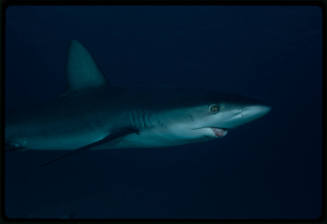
(211, 115)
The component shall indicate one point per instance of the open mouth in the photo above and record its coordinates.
(215, 132)
(220, 132)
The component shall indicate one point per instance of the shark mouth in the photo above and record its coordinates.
(219, 132)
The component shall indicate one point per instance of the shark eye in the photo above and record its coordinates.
(214, 108)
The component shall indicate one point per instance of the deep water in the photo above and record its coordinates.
(270, 168)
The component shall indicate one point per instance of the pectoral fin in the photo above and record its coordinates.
(118, 134)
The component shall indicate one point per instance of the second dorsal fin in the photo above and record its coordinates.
(82, 71)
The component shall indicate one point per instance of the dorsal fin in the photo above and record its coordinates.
(82, 71)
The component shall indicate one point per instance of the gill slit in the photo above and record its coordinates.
(140, 119)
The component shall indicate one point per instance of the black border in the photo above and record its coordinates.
(322, 4)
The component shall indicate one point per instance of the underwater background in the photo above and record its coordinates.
(268, 169)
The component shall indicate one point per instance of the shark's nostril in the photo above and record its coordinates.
(238, 114)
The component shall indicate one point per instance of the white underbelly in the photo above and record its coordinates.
(57, 142)
(157, 138)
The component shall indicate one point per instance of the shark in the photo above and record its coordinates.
(93, 114)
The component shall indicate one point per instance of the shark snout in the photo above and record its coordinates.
(253, 112)
(246, 114)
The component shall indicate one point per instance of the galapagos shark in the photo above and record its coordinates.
(94, 114)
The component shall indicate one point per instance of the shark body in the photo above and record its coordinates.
(93, 114)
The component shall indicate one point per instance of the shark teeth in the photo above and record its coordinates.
(219, 132)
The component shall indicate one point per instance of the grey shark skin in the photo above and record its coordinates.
(95, 115)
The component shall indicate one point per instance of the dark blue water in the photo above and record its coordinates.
(270, 168)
